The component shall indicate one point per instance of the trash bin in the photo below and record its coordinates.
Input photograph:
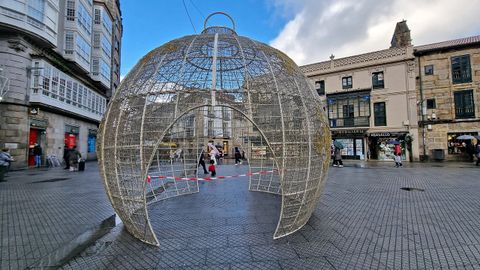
(438, 154)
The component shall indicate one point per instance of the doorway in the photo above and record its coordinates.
(37, 136)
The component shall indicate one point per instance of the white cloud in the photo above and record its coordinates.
(121, 77)
(349, 27)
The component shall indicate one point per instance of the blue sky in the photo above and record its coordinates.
(155, 22)
(307, 30)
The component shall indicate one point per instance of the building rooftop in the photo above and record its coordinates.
(448, 44)
(377, 56)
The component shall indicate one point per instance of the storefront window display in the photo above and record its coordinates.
(382, 148)
(456, 146)
(352, 148)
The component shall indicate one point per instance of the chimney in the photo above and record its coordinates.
(401, 36)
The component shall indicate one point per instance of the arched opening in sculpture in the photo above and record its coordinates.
(201, 133)
(171, 92)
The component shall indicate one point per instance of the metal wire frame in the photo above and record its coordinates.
(163, 104)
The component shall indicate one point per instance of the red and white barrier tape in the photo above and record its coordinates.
(149, 178)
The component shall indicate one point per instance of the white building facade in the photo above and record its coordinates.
(56, 57)
(371, 100)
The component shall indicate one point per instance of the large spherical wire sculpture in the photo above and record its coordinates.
(162, 116)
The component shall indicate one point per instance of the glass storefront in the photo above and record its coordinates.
(352, 148)
(459, 147)
(381, 147)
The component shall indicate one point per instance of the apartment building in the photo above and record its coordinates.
(371, 100)
(57, 68)
(448, 88)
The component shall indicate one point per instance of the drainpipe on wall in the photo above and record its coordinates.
(422, 108)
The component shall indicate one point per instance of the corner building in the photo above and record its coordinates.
(56, 74)
(371, 99)
(448, 83)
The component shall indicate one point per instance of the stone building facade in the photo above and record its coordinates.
(448, 86)
(52, 92)
(371, 99)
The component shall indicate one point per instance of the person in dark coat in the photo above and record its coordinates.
(37, 152)
(238, 156)
(73, 156)
(201, 161)
(337, 157)
(477, 153)
(66, 152)
(470, 151)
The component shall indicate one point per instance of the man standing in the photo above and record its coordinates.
(37, 152)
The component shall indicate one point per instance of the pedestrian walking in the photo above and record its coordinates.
(332, 155)
(213, 153)
(398, 160)
(73, 157)
(37, 152)
(397, 150)
(470, 150)
(211, 168)
(337, 158)
(66, 159)
(238, 156)
(5, 160)
(201, 161)
(477, 150)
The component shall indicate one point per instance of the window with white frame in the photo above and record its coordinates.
(96, 40)
(36, 9)
(84, 19)
(74, 93)
(55, 78)
(95, 66)
(70, 10)
(61, 89)
(106, 46)
(69, 42)
(80, 95)
(57, 85)
(68, 95)
(83, 49)
(97, 17)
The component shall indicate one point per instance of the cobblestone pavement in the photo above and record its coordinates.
(363, 221)
(41, 210)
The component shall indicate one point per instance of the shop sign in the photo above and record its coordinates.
(381, 134)
(347, 132)
(38, 123)
(11, 145)
(33, 111)
(387, 134)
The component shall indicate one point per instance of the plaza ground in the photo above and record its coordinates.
(364, 221)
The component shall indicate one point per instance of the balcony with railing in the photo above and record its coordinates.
(359, 121)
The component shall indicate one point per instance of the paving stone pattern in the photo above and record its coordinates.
(363, 221)
(41, 210)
